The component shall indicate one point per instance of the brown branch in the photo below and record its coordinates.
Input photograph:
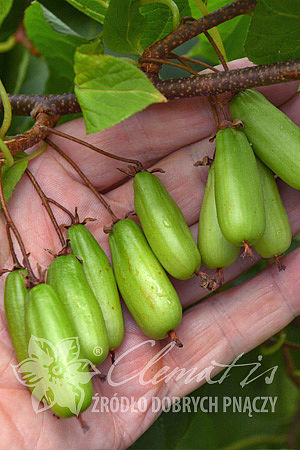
(233, 80)
(36, 134)
(31, 105)
(188, 30)
(84, 178)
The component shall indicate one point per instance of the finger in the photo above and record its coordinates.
(292, 108)
(31, 218)
(235, 321)
(190, 292)
(151, 134)
(184, 182)
(277, 93)
(147, 136)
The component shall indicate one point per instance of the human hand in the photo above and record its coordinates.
(172, 136)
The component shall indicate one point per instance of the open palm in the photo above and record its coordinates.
(172, 136)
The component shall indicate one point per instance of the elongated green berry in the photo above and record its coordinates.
(274, 137)
(238, 190)
(165, 227)
(278, 234)
(14, 301)
(67, 277)
(55, 365)
(216, 251)
(143, 283)
(100, 276)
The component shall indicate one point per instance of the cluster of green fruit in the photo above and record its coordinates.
(79, 300)
(241, 206)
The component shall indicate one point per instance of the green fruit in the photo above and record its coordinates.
(14, 302)
(238, 190)
(216, 251)
(67, 277)
(143, 283)
(165, 227)
(47, 319)
(278, 234)
(274, 137)
(100, 276)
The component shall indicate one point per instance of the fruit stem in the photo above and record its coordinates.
(219, 274)
(279, 264)
(92, 147)
(247, 253)
(83, 424)
(217, 50)
(112, 356)
(46, 205)
(186, 59)
(84, 178)
(172, 335)
(205, 281)
(12, 226)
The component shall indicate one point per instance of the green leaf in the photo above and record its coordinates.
(57, 48)
(109, 89)
(233, 35)
(12, 175)
(274, 32)
(96, 9)
(82, 24)
(5, 6)
(130, 28)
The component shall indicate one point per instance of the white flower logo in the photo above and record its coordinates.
(44, 372)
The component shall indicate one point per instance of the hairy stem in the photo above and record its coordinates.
(230, 81)
(96, 149)
(214, 31)
(217, 50)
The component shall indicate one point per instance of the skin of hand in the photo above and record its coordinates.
(172, 136)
